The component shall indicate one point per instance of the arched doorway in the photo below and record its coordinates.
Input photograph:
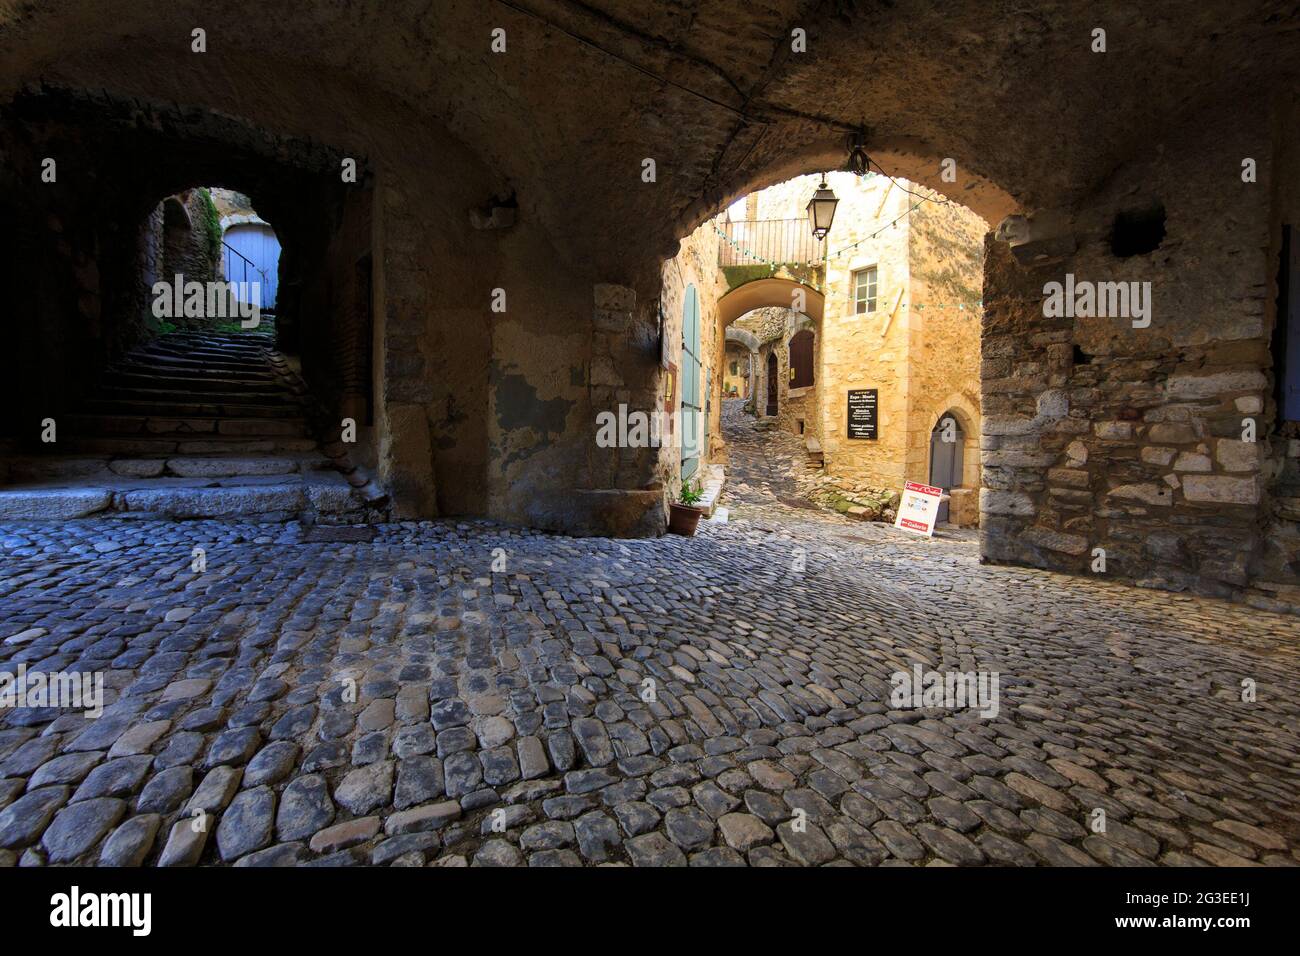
(946, 459)
(771, 384)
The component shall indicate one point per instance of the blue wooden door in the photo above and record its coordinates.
(692, 411)
(254, 256)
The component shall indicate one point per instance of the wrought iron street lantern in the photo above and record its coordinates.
(821, 210)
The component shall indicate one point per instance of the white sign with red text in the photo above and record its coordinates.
(919, 508)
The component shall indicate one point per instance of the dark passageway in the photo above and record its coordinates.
(125, 397)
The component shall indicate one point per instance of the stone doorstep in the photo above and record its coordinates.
(712, 489)
(325, 493)
(107, 469)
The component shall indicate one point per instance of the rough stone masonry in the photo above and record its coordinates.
(504, 174)
(492, 278)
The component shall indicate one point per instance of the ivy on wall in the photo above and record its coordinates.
(211, 225)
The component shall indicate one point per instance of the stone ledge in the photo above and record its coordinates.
(713, 489)
(52, 504)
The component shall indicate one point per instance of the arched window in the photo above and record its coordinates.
(801, 359)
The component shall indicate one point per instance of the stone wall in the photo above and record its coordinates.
(1275, 573)
(331, 323)
(946, 267)
(1098, 434)
(737, 382)
(188, 249)
(868, 350)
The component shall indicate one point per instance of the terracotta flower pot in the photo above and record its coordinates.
(683, 519)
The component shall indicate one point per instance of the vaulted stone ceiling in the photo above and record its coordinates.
(708, 88)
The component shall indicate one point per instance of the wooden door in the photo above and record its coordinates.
(946, 459)
(256, 258)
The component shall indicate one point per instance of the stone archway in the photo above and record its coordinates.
(772, 292)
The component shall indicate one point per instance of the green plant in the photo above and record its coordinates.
(690, 494)
(211, 225)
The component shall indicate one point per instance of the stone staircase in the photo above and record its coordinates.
(189, 425)
(816, 458)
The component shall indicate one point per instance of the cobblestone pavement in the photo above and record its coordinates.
(674, 701)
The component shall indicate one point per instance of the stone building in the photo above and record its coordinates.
(898, 284)
(492, 278)
(737, 381)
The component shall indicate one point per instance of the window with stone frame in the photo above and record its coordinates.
(864, 290)
(801, 359)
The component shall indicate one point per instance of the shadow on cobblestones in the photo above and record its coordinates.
(647, 702)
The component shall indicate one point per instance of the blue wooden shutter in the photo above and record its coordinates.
(692, 432)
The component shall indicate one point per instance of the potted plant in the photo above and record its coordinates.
(683, 514)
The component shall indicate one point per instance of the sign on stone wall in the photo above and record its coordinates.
(862, 413)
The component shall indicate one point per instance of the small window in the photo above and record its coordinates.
(735, 368)
(864, 290)
(801, 359)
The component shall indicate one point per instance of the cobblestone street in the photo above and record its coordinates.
(501, 718)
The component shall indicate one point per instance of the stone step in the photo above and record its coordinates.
(321, 493)
(252, 356)
(193, 383)
(183, 355)
(162, 447)
(171, 365)
(149, 355)
(182, 428)
(55, 468)
(196, 360)
(220, 341)
(175, 409)
(228, 390)
(25, 468)
(711, 489)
